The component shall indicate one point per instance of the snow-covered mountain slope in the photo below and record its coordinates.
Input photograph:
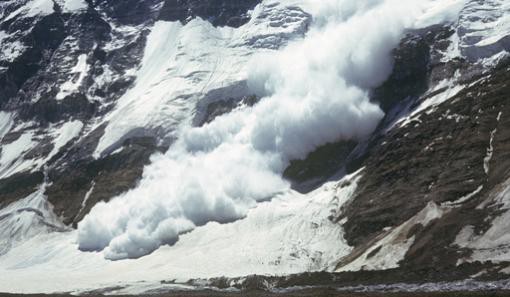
(172, 136)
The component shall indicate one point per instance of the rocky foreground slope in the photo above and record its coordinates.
(91, 92)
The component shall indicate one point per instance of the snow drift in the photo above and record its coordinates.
(313, 92)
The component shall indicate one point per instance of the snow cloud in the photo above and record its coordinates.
(314, 91)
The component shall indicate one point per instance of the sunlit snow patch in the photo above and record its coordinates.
(72, 5)
(79, 73)
(32, 9)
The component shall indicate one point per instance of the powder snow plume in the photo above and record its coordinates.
(314, 91)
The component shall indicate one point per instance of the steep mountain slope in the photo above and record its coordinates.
(160, 130)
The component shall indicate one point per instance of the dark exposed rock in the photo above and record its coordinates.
(18, 186)
(438, 158)
(232, 13)
(105, 178)
(355, 279)
(318, 166)
(128, 12)
(220, 107)
(43, 39)
(49, 110)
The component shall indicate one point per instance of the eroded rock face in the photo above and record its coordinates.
(59, 66)
(442, 142)
(452, 154)
(80, 184)
(232, 13)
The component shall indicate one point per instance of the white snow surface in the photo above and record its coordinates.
(484, 28)
(79, 73)
(5, 123)
(289, 234)
(26, 218)
(445, 11)
(70, 6)
(11, 156)
(32, 9)
(40, 8)
(9, 50)
(64, 134)
(175, 72)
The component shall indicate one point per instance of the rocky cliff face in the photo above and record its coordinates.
(91, 91)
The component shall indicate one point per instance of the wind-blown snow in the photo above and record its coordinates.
(313, 92)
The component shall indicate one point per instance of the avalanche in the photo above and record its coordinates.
(313, 91)
(215, 204)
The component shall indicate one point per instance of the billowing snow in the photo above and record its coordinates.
(289, 234)
(314, 91)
